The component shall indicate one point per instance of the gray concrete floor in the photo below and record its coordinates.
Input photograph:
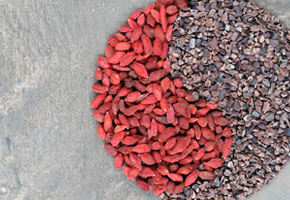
(49, 149)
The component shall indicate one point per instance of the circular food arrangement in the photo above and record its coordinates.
(193, 98)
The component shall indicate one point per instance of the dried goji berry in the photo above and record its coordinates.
(104, 62)
(221, 121)
(136, 34)
(133, 173)
(158, 33)
(186, 169)
(147, 158)
(99, 88)
(170, 187)
(199, 154)
(126, 170)
(180, 146)
(185, 160)
(170, 143)
(175, 177)
(164, 53)
(117, 138)
(157, 75)
(148, 9)
(109, 51)
(205, 175)
(142, 184)
(155, 14)
(137, 47)
(163, 170)
(201, 112)
(141, 20)
(226, 132)
(140, 69)
(123, 46)
(163, 18)
(120, 37)
(113, 41)
(170, 10)
(215, 162)
(191, 178)
(133, 25)
(159, 180)
(172, 18)
(149, 31)
(157, 47)
(107, 121)
(178, 83)
(98, 116)
(149, 100)
(127, 59)
(118, 161)
(227, 147)
(178, 188)
(208, 156)
(209, 146)
(184, 123)
(101, 132)
(135, 14)
(134, 121)
(156, 157)
(157, 91)
(183, 109)
(147, 45)
(142, 148)
(218, 129)
(125, 28)
(119, 128)
(181, 3)
(136, 161)
(166, 65)
(116, 57)
(166, 134)
(146, 172)
(125, 149)
(156, 145)
(106, 81)
(165, 83)
(168, 34)
(110, 149)
(149, 108)
(208, 134)
(130, 140)
(133, 96)
(115, 78)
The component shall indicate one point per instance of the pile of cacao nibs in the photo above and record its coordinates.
(237, 55)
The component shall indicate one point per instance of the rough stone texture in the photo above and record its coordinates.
(48, 143)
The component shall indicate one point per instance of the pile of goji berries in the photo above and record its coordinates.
(159, 134)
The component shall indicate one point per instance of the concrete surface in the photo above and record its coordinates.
(49, 149)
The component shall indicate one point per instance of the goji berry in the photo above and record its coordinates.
(142, 184)
(140, 69)
(142, 148)
(205, 175)
(191, 178)
(146, 172)
(118, 161)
